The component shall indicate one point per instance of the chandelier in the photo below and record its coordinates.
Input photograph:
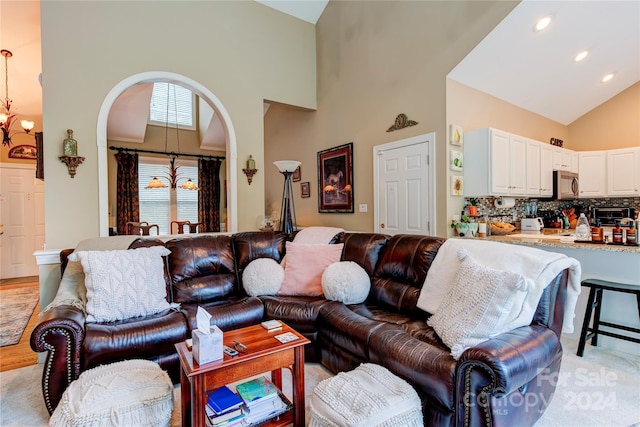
(172, 177)
(7, 118)
(173, 174)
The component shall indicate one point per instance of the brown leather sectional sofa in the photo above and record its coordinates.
(508, 380)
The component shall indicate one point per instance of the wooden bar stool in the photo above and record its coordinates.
(595, 301)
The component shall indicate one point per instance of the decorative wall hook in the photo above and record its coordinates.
(250, 170)
(402, 122)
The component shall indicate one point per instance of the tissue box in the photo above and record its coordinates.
(207, 347)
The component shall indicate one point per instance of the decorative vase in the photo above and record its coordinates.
(467, 229)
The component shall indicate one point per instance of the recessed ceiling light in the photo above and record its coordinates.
(607, 78)
(542, 23)
(579, 57)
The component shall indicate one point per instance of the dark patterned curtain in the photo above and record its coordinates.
(128, 205)
(209, 194)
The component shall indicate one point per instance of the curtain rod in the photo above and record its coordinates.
(167, 153)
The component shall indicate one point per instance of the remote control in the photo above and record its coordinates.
(229, 351)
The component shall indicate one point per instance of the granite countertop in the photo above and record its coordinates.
(560, 239)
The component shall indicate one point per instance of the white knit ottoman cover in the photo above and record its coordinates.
(129, 393)
(368, 396)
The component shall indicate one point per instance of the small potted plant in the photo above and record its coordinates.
(464, 227)
(473, 206)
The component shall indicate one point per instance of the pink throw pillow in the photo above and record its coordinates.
(305, 265)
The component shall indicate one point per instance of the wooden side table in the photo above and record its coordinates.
(264, 353)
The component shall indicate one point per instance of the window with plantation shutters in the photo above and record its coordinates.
(172, 105)
(155, 203)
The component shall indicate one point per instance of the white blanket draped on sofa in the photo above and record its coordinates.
(537, 266)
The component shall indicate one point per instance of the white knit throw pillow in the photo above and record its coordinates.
(124, 283)
(478, 306)
(346, 281)
(262, 276)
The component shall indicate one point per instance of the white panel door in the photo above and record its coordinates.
(22, 218)
(402, 205)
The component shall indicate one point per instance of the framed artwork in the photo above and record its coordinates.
(456, 135)
(305, 190)
(456, 185)
(296, 175)
(455, 160)
(335, 179)
(23, 152)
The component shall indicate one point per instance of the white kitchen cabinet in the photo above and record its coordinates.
(623, 172)
(546, 170)
(574, 161)
(593, 173)
(565, 159)
(533, 186)
(495, 163)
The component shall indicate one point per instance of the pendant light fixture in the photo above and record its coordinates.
(7, 118)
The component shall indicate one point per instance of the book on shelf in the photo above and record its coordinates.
(221, 419)
(266, 410)
(223, 400)
(256, 390)
(231, 422)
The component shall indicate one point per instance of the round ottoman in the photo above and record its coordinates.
(368, 396)
(128, 393)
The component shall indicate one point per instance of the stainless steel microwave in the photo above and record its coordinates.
(565, 185)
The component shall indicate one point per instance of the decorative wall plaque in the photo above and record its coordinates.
(402, 122)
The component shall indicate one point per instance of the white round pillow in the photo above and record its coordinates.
(263, 276)
(345, 281)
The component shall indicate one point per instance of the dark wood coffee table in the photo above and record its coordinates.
(264, 353)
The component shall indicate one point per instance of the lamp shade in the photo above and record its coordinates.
(287, 165)
(156, 183)
(189, 185)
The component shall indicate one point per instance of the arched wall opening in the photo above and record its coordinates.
(207, 96)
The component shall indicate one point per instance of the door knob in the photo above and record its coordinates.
(382, 225)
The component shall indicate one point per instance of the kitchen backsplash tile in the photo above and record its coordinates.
(486, 206)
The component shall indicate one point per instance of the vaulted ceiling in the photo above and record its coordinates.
(532, 70)
(536, 70)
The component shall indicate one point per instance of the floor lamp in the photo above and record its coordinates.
(288, 222)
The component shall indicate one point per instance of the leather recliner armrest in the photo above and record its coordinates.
(507, 380)
(514, 358)
(60, 332)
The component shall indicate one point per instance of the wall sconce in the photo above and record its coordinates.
(70, 150)
(251, 169)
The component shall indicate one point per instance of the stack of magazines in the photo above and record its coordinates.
(262, 401)
(224, 408)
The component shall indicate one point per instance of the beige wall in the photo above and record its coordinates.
(613, 124)
(243, 52)
(375, 61)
